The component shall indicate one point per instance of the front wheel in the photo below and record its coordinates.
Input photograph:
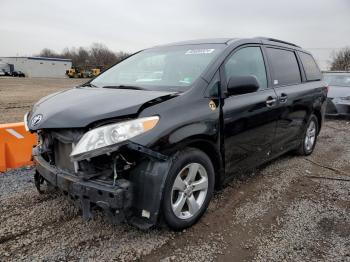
(309, 138)
(188, 189)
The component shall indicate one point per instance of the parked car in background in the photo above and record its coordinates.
(18, 74)
(4, 69)
(338, 102)
(152, 136)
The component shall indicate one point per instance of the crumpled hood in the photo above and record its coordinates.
(81, 106)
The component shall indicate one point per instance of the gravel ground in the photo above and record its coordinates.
(16, 180)
(293, 209)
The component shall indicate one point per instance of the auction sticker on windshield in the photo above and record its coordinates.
(199, 51)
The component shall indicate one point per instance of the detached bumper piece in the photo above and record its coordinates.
(115, 200)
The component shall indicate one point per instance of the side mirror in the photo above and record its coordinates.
(238, 85)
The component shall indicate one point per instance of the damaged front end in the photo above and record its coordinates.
(109, 178)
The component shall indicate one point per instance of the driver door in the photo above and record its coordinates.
(249, 119)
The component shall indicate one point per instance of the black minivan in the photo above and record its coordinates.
(153, 136)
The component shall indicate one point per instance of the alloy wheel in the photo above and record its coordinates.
(189, 191)
(310, 136)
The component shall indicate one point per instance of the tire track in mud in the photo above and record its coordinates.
(314, 225)
(33, 217)
(47, 227)
(256, 210)
(235, 216)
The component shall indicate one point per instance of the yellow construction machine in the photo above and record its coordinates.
(95, 72)
(82, 73)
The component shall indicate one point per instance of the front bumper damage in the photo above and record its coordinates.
(132, 194)
(115, 200)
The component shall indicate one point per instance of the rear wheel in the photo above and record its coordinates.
(188, 190)
(309, 138)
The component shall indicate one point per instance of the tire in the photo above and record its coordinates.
(183, 202)
(309, 138)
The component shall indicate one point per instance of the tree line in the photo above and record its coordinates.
(100, 56)
(341, 60)
(96, 56)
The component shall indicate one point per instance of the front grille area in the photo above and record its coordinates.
(56, 146)
(61, 155)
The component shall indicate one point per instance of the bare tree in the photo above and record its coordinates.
(98, 55)
(46, 52)
(82, 57)
(341, 60)
(102, 56)
(121, 56)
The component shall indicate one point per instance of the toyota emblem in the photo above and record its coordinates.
(36, 120)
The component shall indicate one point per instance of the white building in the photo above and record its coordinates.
(39, 66)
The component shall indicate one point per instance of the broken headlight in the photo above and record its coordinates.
(113, 134)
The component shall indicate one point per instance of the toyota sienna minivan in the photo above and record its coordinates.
(153, 136)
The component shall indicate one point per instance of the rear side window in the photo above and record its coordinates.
(284, 66)
(312, 71)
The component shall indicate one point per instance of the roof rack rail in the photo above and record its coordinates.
(277, 40)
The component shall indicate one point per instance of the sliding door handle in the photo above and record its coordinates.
(283, 98)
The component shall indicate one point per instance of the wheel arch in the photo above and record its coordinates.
(212, 151)
(318, 114)
(149, 178)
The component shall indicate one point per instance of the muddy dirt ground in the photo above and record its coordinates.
(292, 209)
(17, 95)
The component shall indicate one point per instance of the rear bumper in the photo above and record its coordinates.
(116, 200)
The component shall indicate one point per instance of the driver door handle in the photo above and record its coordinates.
(271, 101)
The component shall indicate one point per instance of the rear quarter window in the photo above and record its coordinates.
(311, 69)
(284, 67)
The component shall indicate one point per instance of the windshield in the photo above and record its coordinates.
(337, 79)
(172, 68)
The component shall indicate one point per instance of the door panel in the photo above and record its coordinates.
(294, 98)
(293, 114)
(249, 120)
(249, 129)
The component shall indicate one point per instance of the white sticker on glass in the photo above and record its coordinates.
(199, 51)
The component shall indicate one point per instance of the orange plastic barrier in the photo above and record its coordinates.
(15, 146)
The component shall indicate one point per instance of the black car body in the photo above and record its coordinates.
(338, 102)
(210, 108)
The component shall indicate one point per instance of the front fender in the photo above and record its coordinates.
(148, 179)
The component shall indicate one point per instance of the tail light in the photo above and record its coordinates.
(327, 88)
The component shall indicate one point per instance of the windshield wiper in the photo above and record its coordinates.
(90, 85)
(126, 87)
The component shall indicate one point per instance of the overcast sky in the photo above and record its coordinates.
(26, 26)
